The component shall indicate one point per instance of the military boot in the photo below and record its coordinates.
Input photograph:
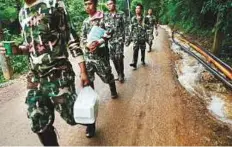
(48, 137)
(121, 73)
(113, 90)
(90, 130)
(143, 57)
(117, 68)
(150, 46)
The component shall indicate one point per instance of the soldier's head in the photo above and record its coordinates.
(90, 6)
(139, 9)
(111, 5)
(149, 11)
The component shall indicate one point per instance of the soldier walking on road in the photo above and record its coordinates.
(138, 34)
(96, 52)
(151, 22)
(51, 82)
(116, 20)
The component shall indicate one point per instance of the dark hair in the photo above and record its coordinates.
(94, 1)
(140, 5)
(114, 1)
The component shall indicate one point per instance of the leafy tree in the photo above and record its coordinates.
(223, 25)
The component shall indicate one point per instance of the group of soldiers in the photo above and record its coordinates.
(141, 31)
(47, 34)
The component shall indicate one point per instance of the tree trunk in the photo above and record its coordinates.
(6, 69)
(4, 61)
(218, 40)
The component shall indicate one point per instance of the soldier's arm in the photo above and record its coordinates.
(129, 39)
(146, 20)
(16, 49)
(124, 26)
(84, 34)
(155, 23)
(73, 44)
(71, 36)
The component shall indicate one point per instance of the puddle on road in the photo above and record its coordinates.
(216, 106)
(190, 72)
(220, 109)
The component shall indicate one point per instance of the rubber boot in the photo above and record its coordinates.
(90, 130)
(113, 90)
(135, 58)
(150, 45)
(117, 66)
(121, 70)
(143, 56)
(48, 137)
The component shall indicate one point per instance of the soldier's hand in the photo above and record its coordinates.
(2, 49)
(84, 79)
(15, 49)
(93, 46)
(127, 44)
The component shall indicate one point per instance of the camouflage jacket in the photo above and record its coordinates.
(151, 22)
(117, 23)
(97, 20)
(138, 30)
(47, 33)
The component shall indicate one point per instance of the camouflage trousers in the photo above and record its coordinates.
(116, 55)
(150, 37)
(55, 91)
(116, 50)
(100, 66)
(136, 47)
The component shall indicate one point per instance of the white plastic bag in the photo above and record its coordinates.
(86, 106)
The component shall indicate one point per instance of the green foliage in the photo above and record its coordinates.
(2, 79)
(7, 13)
(19, 64)
(8, 9)
(76, 12)
(223, 9)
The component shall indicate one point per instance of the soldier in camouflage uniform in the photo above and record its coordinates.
(138, 35)
(96, 52)
(151, 22)
(116, 20)
(46, 34)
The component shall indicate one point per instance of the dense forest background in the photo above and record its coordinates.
(206, 21)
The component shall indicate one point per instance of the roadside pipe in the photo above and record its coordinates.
(223, 67)
(205, 64)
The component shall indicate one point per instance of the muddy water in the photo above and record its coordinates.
(190, 72)
(221, 107)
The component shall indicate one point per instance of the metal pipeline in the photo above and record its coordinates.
(205, 64)
(223, 67)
